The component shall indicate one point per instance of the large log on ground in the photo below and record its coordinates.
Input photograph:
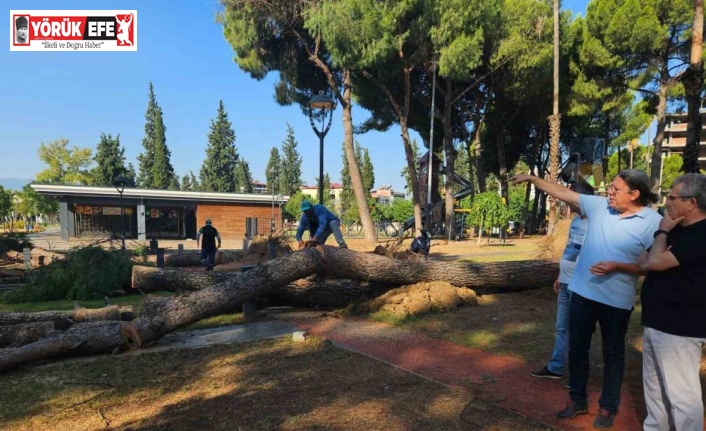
(38, 256)
(81, 339)
(193, 257)
(64, 319)
(327, 293)
(24, 333)
(496, 276)
(161, 316)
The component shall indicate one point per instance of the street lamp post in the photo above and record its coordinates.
(273, 176)
(120, 182)
(324, 103)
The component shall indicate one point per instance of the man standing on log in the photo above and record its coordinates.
(208, 244)
(603, 286)
(674, 311)
(321, 223)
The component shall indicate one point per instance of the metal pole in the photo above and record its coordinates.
(321, 169)
(431, 153)
(272, 228)
(122, 220)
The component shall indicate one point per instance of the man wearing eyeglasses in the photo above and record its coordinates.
(604, 281)
(674, 311)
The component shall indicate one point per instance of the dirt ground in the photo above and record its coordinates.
(264, 385)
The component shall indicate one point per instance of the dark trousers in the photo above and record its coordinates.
(208, 256)
(583, 315)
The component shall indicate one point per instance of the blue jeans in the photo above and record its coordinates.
(333, 226)
(560, 357)
(583, 315)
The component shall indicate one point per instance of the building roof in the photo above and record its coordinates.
(93, 191)
(332, 186)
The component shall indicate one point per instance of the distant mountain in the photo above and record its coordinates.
(14, 183)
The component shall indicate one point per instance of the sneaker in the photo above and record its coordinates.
(343, 245)
(572, 410)
(604, 419)
(544, 373)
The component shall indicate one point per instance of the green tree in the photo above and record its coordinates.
(693, 82)
(272, 171)
(291, 208)
(367, 171)
(488, 211)
(641, 45)
(218, 169)
(243, 177)
(284, 36)
(671, 170)
(349, 206)
(5, 203)
(290, 171)
(156, 169)
(110, 161)
(66, 165)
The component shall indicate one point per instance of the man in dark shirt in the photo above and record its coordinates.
(208, 244)
(674, 311)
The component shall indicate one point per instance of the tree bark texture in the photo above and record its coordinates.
(24, 333)
(505, 276)
(38, 256)
(64, 319)
(161, 316)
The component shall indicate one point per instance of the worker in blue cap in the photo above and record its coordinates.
(321, 223)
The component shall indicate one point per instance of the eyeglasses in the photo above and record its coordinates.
(612, 189)
(671, 198)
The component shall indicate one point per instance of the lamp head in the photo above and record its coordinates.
(321, 101)
(120, 182)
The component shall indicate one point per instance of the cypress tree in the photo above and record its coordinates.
(273, 164)
(218, 169)
(290, 172)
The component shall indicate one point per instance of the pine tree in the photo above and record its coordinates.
(243, 177)
(290, 172)
(156, 169)
(405, 172)
(218, 169)
(130, 172)
(272, 171)
(110, 161)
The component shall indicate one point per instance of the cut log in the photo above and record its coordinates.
(64, 319)
(38, 256)
(81, 339)
(24, 333)
(161, 316)
(193, 258)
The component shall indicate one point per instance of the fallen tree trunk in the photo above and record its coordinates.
(498, 276)
(193, 257)
(38, 256)
(81, 339)
(161, 316)
(327, 293)
(24, 333)
(64, 319)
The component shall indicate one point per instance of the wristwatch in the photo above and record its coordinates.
(660, 231)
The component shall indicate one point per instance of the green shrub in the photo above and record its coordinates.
(85, 273)
(13, 241)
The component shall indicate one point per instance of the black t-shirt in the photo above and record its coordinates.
(674, 301)
(208, 236)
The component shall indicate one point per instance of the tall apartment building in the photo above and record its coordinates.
(675, 136)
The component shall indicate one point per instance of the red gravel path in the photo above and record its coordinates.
(454, 365)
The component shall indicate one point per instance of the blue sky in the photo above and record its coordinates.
(182, 51)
